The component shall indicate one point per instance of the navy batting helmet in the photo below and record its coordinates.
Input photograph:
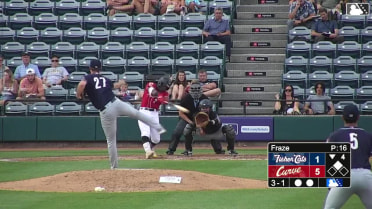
(163, 83)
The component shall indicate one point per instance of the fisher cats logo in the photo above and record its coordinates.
(288, 166)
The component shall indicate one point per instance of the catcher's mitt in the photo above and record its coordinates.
(201, 119)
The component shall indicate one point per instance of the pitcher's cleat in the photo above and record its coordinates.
(162, 130)
(150, 154)
(154, 155)
(232, 152)
(169, 152)
(187, 153)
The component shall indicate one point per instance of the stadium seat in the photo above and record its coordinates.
(119, 20)
(12, 49)
(225, 5)
(20, 20)
(69, 63)
(68, 108)
(212, 63)
(296, 63)
(344, 63)
(98, 35)
(13, 7)
(3, 20)
(133, 79)
(42, 63)
(92, 6)
(189, 75)
(169, 20)
(154, 76)
(40, 6)
(94, 20)
(27, 35)
(16, 108)
(83, 64)
(339, 106)
(324, 48)
(349, 33)
(364, 64)
(38, 49)
(114, 64)
(347, 78)
(349, 48)
(87, 49)
(14, 62)
(70, 20)
(214, 76)
(368, 20)
(110, 75)
(168, 34)
(193, 20)
(320, 63)
(138, 64)
(122, 34)
(41, 108)
(6, 35)
(366, 34)
(366, 108)
(51, 35)
(45, 20)
(135, 48)
(321, 76)
(74, 78)
(364, 94)
(299, 32)
(144, 20)
(367, 49)
(299, 48)
(295, 78)
(311, 91)
(187, 48)
(162, 49)
(63, 49)
(342, 93)
(66, 6)
(71, 93)
(192, 34)
(357, 21)
(145, 34)
(112, 49)
(56, 94)
(74, 35)
(366, 78)
(163, 64)
(213, 48)
(90, 109)
(299, 93)
(187, 63)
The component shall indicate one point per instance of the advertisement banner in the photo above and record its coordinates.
(251, 128)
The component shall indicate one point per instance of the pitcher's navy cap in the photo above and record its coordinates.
(351, 112)
(96, 64)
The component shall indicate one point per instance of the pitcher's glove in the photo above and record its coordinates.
(201, 119)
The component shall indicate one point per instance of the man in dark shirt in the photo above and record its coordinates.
(99, 90)
(325, 29)
(361, 150)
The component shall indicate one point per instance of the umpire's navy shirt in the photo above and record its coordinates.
(99, 90)
(361, 153)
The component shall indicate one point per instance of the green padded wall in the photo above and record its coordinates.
(19, 128)
(364, 122)
(1, 129)
(302, 128)
(64, 128)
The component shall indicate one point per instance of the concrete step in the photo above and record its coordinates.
(243, 15)
(258, 50)
(263, 2)
(249, 110)
(260, 22)
(258, 37)
(238, 104)
(261, 73)
(255, 67)
(253, 80)
(242, 87)
(263, 58)
(253, 96)
(260, 44)
(272, 29)
(261, 8)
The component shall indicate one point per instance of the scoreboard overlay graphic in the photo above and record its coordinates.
(308, 165)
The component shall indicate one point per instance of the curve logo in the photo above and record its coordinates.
(255, 129)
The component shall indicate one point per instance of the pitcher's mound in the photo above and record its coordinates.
(131, 180)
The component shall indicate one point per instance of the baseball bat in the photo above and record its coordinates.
(178, 107)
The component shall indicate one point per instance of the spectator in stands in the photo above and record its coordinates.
(8, 86)
(301, 13)
(31, 87)
(175, 6)
(332, 6)
(123, 93)
(179, 85)
(55, 75)
(119, 6)
(218, 29)
(146, 6)
(210, 88)
(21, 71)
(2, 66)
(192, 5)
(325, 29)
(319, 103)
(287, 103)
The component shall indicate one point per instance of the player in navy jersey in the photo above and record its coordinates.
(99, 90)
(361, 149)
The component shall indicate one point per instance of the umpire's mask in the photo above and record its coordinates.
(195, 91)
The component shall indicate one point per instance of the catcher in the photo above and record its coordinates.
(209, 126)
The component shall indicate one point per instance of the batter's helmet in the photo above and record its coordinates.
(163, 83)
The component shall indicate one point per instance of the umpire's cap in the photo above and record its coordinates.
(350, 113)
(95, 64)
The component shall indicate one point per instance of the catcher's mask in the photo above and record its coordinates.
(205, 105)
(195, 91)
(163, 83)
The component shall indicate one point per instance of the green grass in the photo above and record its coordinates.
(239, 199)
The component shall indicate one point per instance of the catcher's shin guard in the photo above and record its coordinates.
(230, 134)
(217, 147)
(188, 141)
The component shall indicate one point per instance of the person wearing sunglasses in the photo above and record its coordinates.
(287, 103)
(55, 75)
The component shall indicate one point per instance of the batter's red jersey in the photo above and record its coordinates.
(153, 102)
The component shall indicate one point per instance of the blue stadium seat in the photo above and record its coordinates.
(145, 34)
(324, 48)
(20, 20)
(12, 49)
(226, 5)
(296, 63)
(66, 6)
(162, 49)
(295, 78)
(299, 93)
(69, 108)
(192, 34)
(90, 109)
(87, 49)
(349, 33)
(38, 49)
(169, 20)
(366, 34)
(112, 49)
(63, 49)
(74, 78)
(342, 93)
(187, 63)
(349, 48)
(367, 49)
(137, 49)
(344, 63)
(357, 21)
(119, 20)
(98, 35)
(193, 20)
(299, 32)
(45, 20)
(366, 78)
(320, 63)
(14, 62)
(138, 64)
(144, 20)
(364, 94)
(213, 48)
(6, 35)
(339, 106)
(133, 79)
(299, 48)
(83, 64)
(347, 78)
(69, 63)
(3, 20)
(42, 63)
(56, 93)
(110, 75)
(51, 35)
(168, 34)
(187, 48)
(122, 34)
(94, 20)
(41, 108)
(92, 6)
(364, 64)
(74, 35)
(40, 6)
(70, 20)
(321, 76)
(212, 63)
(366, 108)
(16, 108)
(162, 64)
(27, 35)
(114, 64)
(13, 7)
